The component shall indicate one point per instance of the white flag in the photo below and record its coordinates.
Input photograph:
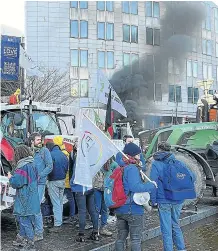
(94, 149)
(104, 89)
(28, 64)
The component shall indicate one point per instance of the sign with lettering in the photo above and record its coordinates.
(10, 52)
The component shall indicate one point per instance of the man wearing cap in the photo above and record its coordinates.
(130, 215)
(169, 210)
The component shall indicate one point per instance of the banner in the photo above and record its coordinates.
(28, 64)
(10, 51)
(94, 149)
(103, 93)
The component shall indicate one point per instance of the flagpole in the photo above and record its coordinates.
(117, 148)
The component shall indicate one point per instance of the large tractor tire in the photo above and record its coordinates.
(195, 167)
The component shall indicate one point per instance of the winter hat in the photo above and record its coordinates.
(132, 149)
(58, 140)
(164, 146)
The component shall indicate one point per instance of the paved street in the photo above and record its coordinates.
(198, 237)
(201, 236)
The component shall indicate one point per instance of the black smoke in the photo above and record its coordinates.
(135, 83)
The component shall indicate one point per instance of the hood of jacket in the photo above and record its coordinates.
(58, 140)
(164, 156)
(24, 161)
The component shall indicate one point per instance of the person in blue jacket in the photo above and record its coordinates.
(85, 200)
(130, 215)
(44, 165)
(126, 140)
(26, 205)
(169, 211)
(56, 183)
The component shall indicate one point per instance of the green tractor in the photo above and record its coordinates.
(196, 144)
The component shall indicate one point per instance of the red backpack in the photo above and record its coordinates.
(114, 194)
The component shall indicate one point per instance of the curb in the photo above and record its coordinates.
(155, 232)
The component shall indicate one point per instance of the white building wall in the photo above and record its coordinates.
(48, 42)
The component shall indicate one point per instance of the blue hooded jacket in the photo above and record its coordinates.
(133, 183)
(161, 160)
(24, 180)
(60, 164)
(43, 163)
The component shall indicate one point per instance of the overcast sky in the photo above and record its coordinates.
(12, 13)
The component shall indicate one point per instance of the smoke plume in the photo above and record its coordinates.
(135, 83)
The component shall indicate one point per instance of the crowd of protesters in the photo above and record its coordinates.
(47, 172)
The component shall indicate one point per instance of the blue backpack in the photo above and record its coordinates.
(177, 181)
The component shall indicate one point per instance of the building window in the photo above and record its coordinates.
(79, 87)
(192, 68)
(210, 92)
(110, 31)
(207, 71)
(130, 7)
(193, 95)
(152, 36)
(175, 93)
(130, 58)
(207, 22)
(101, 30)
(82, 4)
(194, 44)
(108, 5)
(101, 5)
(78, 29)
(109, 28)
(106, 59)
(158, 92)
(79, 58)
(130, 33)
(152, 9)
(217, 73)
(126, 59)
(216, 19)
(207, 47)
(216, 49)
(83, 87)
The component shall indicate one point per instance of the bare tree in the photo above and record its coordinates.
(53, 87)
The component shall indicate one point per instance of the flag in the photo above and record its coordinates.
(104, 87)
(94, 149)
(108, 113)
(28, 64)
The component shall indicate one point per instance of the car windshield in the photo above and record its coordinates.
(147, 137)
(45, 122)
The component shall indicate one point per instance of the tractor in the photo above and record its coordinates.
(196, 144)
(19, 121)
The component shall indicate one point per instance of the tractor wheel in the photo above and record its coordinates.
(195, 167)
(215, 189)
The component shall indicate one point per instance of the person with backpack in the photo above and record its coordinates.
(44, 165)
(26, 205)
(56, 183)
(127, 181)
(175, 184)
(126, 140)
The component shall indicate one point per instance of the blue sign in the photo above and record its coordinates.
(10, 52)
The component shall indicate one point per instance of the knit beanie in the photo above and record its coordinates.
(164, 146)
(132, 149)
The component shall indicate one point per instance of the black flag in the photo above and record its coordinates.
(108, 122)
